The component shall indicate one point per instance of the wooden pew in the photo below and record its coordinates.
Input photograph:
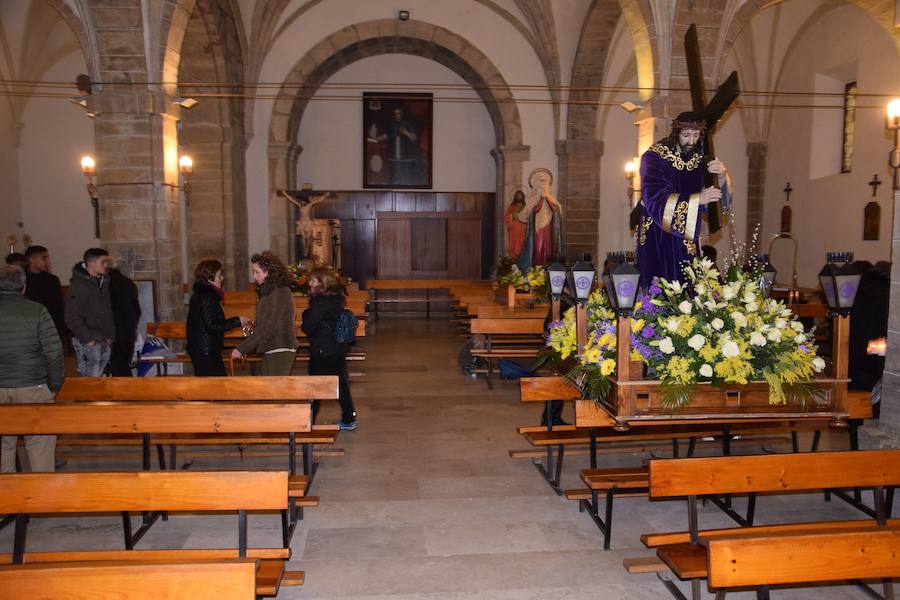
(507, 338)
(426, 286)
(497, 311)
(288, 390)
(815, 556)
(25, 494)
(163, 422)
(684, 553)
(177, 330)
(198, 579)
(626, 481)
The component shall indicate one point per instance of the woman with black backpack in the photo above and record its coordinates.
(327, 355)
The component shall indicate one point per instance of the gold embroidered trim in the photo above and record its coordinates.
(666, 154)
(679, 221)
(693, 210)
(669, 212)
(646, 224)
(691, 247)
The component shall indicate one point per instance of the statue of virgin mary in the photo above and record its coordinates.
(542, 216)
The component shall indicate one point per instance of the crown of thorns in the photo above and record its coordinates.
(699, 125)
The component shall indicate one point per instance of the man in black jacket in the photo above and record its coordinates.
(89, 313)
(43, 286)
(126, 308)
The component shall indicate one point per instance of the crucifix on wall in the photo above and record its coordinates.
(787, 192)
(316, 238)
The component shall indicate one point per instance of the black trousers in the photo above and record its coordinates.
(208, 365)
(120, 358)
(334, 365)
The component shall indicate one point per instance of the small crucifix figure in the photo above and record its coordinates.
(874, 184)
(787, 192)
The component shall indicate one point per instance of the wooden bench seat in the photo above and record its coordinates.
(686, 553)
(198, 579)
(24, 494)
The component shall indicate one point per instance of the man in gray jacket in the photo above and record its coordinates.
(31, 365)
(89, 314)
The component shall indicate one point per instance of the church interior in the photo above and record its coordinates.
(609, 282)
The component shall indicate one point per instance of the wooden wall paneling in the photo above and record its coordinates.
(426, 201)
(392, 241)
(466, 202)
(429, 246)
(348, 249)
(464, 250)
(364, 250)
(384, 201)
(404, 201)
(445, 202)
(365, 205)
(489, 252)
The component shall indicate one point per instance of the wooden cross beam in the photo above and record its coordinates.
(712, 111)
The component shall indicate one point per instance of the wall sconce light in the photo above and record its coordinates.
(403, 15)
(185, 103)
(631, 171)
(89, 169)
(186, 168)
(893, 124)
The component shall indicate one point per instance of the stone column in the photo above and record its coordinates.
(885, 433)
(756, 188)
(137, 158)
(283, 158)
(579, 194)
(509, 161)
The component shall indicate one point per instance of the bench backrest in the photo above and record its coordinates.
(507, 326)
(773, 473)
(416, 284)
(155, 417)
(541, 389)
(177, 330)
(156, 389)
(23, 493)
(222, 579)
(767, 559)
(495, 311)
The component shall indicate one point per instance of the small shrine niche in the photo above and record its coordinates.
(786, 218)
(872, 221)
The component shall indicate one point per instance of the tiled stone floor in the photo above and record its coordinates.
(427, 504)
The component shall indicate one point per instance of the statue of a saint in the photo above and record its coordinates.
(515, 228)
(543, 218)
(674, 199)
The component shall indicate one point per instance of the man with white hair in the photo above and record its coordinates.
(31, 365)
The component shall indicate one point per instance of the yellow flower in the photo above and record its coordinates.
(607, 367)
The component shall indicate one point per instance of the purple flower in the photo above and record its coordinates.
(655, 290)
(803, 348)
(648, 331)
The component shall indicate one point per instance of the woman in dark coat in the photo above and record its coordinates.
(206, 322)
(126, 308)
(327, 356)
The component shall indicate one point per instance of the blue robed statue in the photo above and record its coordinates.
(674, 199)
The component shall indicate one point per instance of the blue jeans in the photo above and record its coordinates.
(91, 359)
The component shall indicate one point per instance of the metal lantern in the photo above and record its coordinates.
(840, 284)
(557, 274)
(582, 278)
(621, 278)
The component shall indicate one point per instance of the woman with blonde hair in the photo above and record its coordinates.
(327, 356)
(274, 335)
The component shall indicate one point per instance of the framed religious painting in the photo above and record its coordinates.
(397, 140)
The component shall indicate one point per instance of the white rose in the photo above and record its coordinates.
(697, 341)
(797, 326)
(718, 324)
(739, 319)
(774, 335)
(799, 338)
(706, 370)
(700, 289)
(756, 339)
(818, 364)
(730, 349)
(666, 346)
(751, 306)
(749, 297)
(728, 293)
(781, 323)
(685, 307)
(676, 288)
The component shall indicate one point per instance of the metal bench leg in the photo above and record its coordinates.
(795, 445)
(815, 443)
(126, 526)
(692, 445)
(21, 533)
(674, 447)
(607, 535)
(695, 589)
(763, 593)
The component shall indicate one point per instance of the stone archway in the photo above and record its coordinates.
(373, 38)
(581, 151)
(880, 10)
(84, 35)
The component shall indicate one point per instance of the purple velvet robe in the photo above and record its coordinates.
(668, 233)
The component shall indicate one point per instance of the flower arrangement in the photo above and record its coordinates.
(299, 282)
(535, 280)
(709, 330)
